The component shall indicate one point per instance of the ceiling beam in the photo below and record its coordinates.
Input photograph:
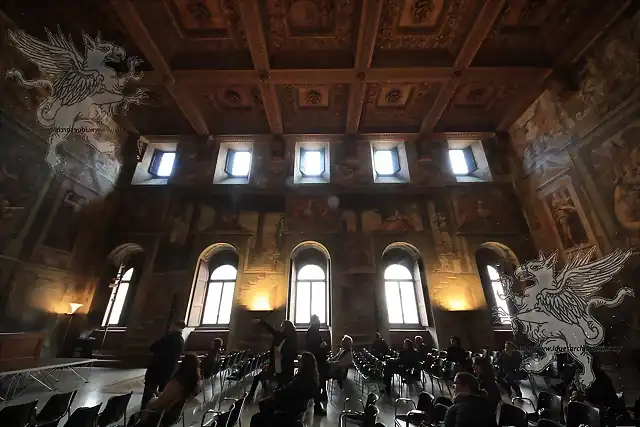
(133, 22)
(342, 76)
(250, 13)
(486, 19)
(367, 31)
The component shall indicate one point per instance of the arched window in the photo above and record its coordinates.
(403, 287)
(219, 299)
(399, 288)
(309, 290)
(498, 295)
(118, 298)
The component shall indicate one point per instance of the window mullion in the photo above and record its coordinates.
(220, 303)
(401, 304)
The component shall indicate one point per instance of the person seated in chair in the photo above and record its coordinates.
(293, 397)
(407, 361)
(471, 407)
(211, 362)
(341, 362)
(184, 385)
(510, 372)
(457, 355)
(487, 380)
(379, 348)
(421, 347)
(602, 393)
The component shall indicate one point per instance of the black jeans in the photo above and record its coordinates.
(154, 382)
(509, 381)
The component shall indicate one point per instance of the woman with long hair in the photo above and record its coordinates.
(184, 385)
(294, 396)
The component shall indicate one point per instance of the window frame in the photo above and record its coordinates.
(299, 260)
(156, 161)
(411, 269)
(469, 160)
(228, 165)
(113, 296)
(303, 153)
(395, 159)
(490, 283)
(222, 283)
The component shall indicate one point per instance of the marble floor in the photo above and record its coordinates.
(105, 382)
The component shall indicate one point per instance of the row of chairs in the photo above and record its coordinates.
(59, 405)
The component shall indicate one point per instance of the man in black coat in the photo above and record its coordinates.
(166, 353)
(315, 345)
(470, 408)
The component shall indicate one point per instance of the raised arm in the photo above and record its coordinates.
(273, 331)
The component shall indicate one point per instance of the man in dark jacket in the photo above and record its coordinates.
(379, 348)
(470, 405)
(315, 345)
(166, 353)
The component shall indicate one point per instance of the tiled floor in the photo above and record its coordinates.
(104, 383)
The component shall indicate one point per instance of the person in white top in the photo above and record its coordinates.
(342, 361)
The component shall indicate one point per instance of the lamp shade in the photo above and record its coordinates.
(74, 307)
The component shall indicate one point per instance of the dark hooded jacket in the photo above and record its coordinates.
(470, 410)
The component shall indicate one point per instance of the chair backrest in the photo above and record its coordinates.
(83, 417)
(56, 406)
(18, 415)
(510, 415)
(545, 422)
(443, 400)
(437, 413)
(551, 404)
(582, 413)
(236, 411)
(114, 410)
(425, 401)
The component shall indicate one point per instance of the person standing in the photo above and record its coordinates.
(315, 345)
(166, 353)
(284, 350)
(510, 369)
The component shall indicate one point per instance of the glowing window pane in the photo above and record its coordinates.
(303, 308)
(493, 273)
(127, 275)
(118, 303)
(224, 272)
(165, 168)
(312, 163)
(212, 304)
(409, 306)
(458, 162)
(318, 300)
(397, 272)
(241, 163)
(311, 272)
(394, 304)
(226, 302)
(383, 162)
(498, 294)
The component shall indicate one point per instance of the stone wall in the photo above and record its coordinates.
(52, 219)
(578, 164)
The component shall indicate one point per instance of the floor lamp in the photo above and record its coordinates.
(74, 307)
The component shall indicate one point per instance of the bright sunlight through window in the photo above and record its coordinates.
(498, 294)
(383, 162)
(311, 294)
(117, 299)
(165, 166)
(217, 305)
(400, 292)
(458, 162)
(312, 162)
(240, 163)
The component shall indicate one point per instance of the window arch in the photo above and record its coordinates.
(219, 299)
(213, 290)
(493, 261)
(309, 285)
(403, 288)
(115, 294)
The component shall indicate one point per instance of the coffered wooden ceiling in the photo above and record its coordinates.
(333, 66)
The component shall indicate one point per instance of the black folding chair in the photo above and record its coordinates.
(511, 416)
(56, 407)
(115, 410)
(83, 417)
(18, 415)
